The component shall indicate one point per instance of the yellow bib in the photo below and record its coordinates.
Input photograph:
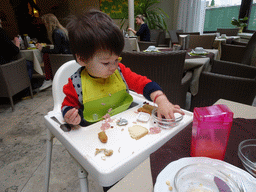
(99, 95)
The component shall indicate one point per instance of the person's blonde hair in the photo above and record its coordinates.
(141, 17)
(51, 23)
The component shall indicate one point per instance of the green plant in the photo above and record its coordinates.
(154, 16)
(212, 3)
(240, 22)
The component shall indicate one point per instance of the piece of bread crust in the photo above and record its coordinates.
(146, 108)
(137, 131)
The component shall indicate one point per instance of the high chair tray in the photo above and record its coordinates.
(128, 153)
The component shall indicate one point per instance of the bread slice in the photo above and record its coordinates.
(137, 131)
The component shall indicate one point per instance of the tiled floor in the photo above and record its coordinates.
(22, 150)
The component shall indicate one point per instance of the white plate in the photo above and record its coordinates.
(197, 52)
(242, 177)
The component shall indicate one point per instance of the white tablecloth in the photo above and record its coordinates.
(227, 37)
(35, 56)
(198, 65)
(218, 41)
(134, 44)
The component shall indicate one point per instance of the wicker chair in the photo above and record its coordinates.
(57, 60)
(205, 41)
(228, 31)
(165, 68)
(154, 34)
(239, 54)
(173, 36)
(14, 78)
(143, 45)
(162, 41)
(187, 33)
(226, 80)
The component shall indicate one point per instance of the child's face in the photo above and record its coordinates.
(102, 65)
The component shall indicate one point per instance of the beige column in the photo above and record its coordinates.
(131, 15)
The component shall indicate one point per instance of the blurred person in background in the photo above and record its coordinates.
(143, 32)
(58, 36)
(10, 50)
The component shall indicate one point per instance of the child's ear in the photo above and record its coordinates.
(78, 59)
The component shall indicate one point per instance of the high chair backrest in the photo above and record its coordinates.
(60, 79)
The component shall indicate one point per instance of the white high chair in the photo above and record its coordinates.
(80, 146)
(60, 79)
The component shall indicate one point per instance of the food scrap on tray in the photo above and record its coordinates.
(107, 152)
(154, 130)
(122, 122)
(137, 131)
(103, 137)
(143, 117)
(105, 124)
(146, 108)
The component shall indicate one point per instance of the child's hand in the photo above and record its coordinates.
(39, 46)
(72, 117)
(165, 107)
(16, 41)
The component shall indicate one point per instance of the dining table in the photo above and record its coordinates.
(143, 177)
(223, 40)
(133, 40)
(178, 148)
(197, 64)
(35, 56)
(226, 39)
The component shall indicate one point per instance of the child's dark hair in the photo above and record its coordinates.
(93, 31)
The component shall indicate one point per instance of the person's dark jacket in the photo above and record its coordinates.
(61, 43)
(8, 49)
(144, 32)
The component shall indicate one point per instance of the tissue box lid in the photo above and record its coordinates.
(214, 113)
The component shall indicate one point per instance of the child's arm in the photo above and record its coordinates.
(134, 81)
(138, 83)
(165, 107)
(152, 91)
(71, 108)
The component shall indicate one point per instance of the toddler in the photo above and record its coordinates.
(102, 82)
